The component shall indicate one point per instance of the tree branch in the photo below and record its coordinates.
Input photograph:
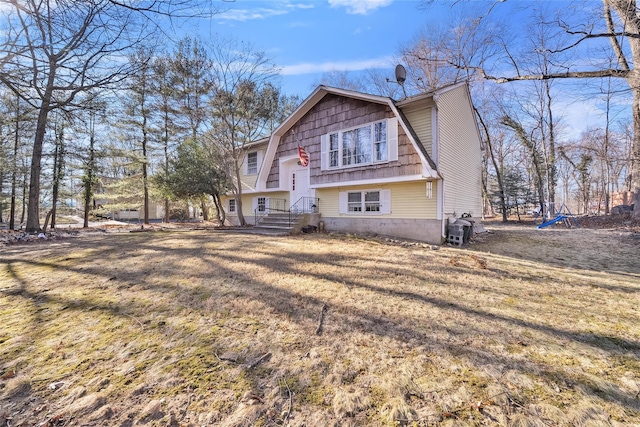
(567, 75)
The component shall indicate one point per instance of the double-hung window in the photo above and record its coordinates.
(364, 201)
(232, 205)
(372, 202)
(376, 142)
(252, 163)
(355, 201)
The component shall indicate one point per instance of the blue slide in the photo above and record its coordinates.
(555, 220)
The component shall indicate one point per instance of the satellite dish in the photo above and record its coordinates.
(401, 74)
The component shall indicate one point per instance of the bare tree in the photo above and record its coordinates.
(53, 51)
(532, 147)
(619, 24)
(139, 112)
(240, 106)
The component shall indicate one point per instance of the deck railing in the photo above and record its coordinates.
(275, 205)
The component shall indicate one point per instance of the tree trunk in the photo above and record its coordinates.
(145, 181)
(166, 158)
(33, 208)
(24, 193)
(58, 167)
(54, 191)
(46, 221)
(1, 188)
(205, 210)
(14, 172)
(238, 196)
(635, 160)
(220, 213)
(88, 184)
(552, 175)
(166, 210)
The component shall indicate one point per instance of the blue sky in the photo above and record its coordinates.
(308, 38)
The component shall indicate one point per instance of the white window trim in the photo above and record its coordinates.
(246, 162)
(385, 202)
(391, 144)
(232, 202)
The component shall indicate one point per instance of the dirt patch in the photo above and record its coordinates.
(197, 328)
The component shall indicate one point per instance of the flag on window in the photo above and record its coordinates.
(304, 157)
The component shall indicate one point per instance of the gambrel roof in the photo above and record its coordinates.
(429, 169)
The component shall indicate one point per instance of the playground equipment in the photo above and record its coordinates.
(563, 214)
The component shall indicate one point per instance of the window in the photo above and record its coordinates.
(355, 202)
(252, 163)
(380, 141)
(334, 151)
(366, 202)
(375, 142)
(372, 201)
(262, 204)
(429, 189)
(356, 146)
(232, 205)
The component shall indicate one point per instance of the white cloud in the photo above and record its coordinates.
(360, 7)
(323, 67)
(249, 14)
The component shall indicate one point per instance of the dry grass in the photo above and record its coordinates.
(204, 328)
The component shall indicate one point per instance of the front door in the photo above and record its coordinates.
(299, 187)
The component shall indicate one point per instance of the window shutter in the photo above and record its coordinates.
(385, 202)
(324, 152)
(343, 204)
(254, 204)
(266, 202)
(392, 138)
(245, 164)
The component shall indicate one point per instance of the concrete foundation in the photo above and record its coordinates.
(425, 230)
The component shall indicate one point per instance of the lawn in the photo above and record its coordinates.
(524, 327)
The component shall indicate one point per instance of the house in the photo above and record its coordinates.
(398, 168)
(112, 202)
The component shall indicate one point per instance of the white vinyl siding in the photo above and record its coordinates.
(459, 154)
(250, 167)
(422, 123)
(249, 203)
(368, 144)
(402, 200)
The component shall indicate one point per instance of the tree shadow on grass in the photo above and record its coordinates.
(231, 261)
